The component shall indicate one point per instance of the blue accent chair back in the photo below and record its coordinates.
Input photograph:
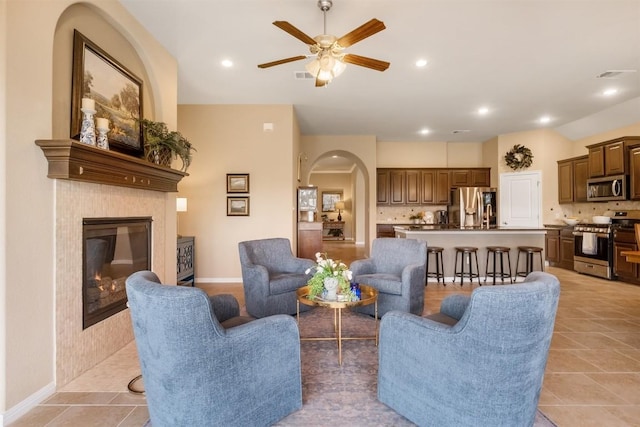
(197, 372)
(484, 368)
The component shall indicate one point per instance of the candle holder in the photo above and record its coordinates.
(103, 141)
(88, 131)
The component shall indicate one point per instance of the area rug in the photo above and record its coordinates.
(344, 395)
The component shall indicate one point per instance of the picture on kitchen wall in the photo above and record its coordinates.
(237, 206)
(329, 199)
(237, 183)
(116, 91)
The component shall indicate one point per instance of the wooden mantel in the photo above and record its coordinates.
(69, 159)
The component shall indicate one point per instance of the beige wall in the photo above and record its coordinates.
(29, 252)
(230, 139)
(580, 144)
(421, 154)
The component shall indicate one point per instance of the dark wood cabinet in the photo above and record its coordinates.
(634, 173)
(382, 186)
(428, 191)
(460, 178)
(559, 247)
(385, 230)
(396, 187)
(309, 239)
(572, 179)
(413, 194)
(580, 176)
(565, 181)
(480, 177)
(552, 246)
(596, 161)
(567, 249)
(185, 259)
(442, 188)
(611, 157)
(625, 240)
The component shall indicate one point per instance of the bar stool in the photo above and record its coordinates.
(465, 253)
(495, 251)
(439, 273)
(529, 252)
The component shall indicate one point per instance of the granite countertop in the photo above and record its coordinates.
(451, 227)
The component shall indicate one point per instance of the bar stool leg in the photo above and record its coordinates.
(438, 271)
(501, 268)
(494, 267)
(426, 272)
(477, 268)
(541, 261)
(510, 273)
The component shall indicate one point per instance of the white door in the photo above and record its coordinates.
(520, 199)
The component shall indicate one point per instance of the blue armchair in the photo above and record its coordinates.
(271, 275)
(196, 372)
(482, 367)
(396, 269)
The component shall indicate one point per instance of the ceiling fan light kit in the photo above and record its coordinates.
(330, 60)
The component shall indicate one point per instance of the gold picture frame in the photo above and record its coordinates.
(237, 183)
(238, 206)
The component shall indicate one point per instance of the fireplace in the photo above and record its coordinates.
(113, 248)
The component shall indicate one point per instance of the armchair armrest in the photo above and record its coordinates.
(362, 266)
(455, 306)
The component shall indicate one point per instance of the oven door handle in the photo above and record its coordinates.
(580, 233)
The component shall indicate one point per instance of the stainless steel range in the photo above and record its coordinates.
(594, 243)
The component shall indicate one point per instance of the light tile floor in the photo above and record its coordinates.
(592, 376)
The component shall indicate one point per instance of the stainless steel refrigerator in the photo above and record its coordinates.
(472, 206)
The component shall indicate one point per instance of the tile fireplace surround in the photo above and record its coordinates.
(78, 350)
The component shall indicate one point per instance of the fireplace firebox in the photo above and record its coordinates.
(113, 249)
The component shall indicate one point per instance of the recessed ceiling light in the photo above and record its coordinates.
(421, 63)
(610, 91)
(544, 119)
(424, 131)
(227, 63)
(483, 110)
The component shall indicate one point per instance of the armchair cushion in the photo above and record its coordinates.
(491, 360)
(198, 373)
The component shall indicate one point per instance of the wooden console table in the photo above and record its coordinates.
(333, 230)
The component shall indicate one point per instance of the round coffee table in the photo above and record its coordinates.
(368, 296)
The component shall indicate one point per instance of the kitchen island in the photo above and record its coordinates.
(448, 237)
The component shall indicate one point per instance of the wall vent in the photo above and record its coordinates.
(302, 75)
(612, 74)
(461, 131)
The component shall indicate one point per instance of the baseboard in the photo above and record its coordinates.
(27, 404)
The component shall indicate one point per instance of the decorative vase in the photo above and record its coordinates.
(103, 141)
(88, 130)
(331, 286)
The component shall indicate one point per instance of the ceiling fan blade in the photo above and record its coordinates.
(320, 83)
(361, 33)
(363, 61)
(285, 26)
(281, 61)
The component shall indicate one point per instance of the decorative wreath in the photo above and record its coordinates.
(519, 157)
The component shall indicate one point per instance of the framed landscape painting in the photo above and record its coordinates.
(116, 91)
(237, 206)
(237, 183)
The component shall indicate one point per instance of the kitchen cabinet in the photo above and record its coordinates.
(634, 173)
(477, 177)
(309, 239)
(572, 179)
(385, 230)
(425, 186)
(382, 186)
(552, 246)
(559, 247)
(625, 240)
(611, 157)
(567, 249)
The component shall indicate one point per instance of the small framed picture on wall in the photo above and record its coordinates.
(237, 206)
(237, 183)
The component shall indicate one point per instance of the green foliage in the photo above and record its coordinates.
(157, 136)
(326, 267)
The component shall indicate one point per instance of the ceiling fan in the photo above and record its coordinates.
(329, 59)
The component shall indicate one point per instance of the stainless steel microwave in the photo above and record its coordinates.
(607, 188)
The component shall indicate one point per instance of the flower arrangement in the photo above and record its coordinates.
(326, 268)
(417, 215)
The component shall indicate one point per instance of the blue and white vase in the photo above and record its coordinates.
(103, 141)
(88, 129)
